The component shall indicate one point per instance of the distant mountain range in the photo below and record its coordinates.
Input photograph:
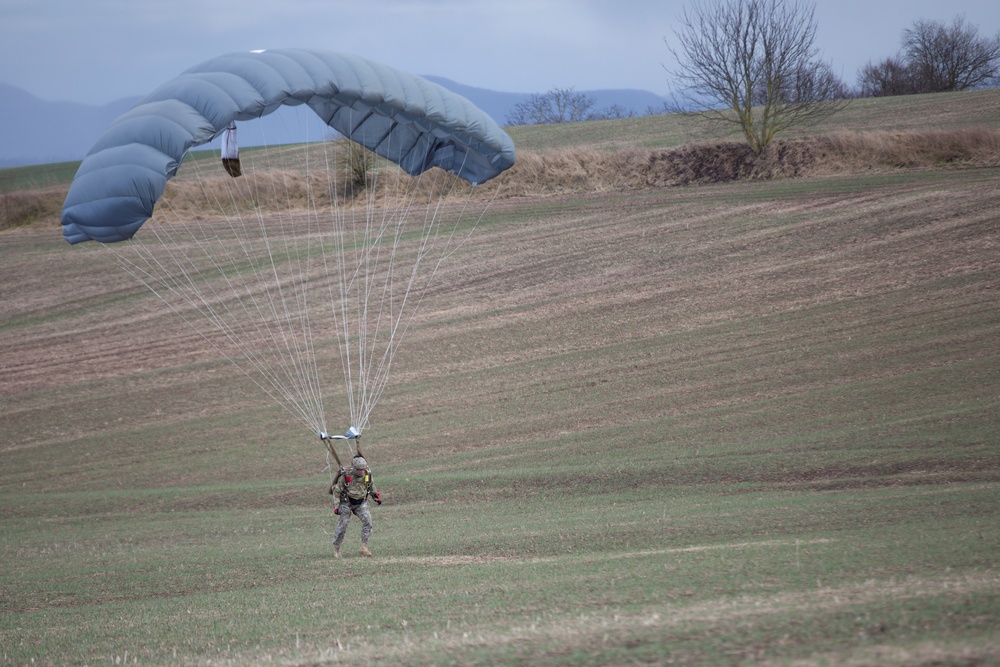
(35, 131)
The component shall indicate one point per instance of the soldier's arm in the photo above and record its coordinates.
(336, 486)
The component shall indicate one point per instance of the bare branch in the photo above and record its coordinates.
(947, 58)
(559, 105)
(752, 63)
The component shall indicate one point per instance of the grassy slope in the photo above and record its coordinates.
(712, 424)
(953, 111)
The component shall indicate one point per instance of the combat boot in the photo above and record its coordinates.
(364, 551)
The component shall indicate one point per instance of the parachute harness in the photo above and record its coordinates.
(351, 434)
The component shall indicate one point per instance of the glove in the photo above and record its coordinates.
(378, 498)
(336, 510)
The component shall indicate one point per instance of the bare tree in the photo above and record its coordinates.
(892, 76)
(817, 81)
(612, 112)
(752, 63)
(559, 105)
(947, 58)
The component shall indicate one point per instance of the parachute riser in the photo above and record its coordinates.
(328, 441)
(351, 434)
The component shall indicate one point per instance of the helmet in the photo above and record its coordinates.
(360, 463)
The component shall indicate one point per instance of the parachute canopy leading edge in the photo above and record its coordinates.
(402, 117)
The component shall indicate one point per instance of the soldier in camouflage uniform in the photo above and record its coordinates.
(352, 489)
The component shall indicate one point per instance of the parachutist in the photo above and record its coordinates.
(352, 489)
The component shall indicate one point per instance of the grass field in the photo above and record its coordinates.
(752, 422)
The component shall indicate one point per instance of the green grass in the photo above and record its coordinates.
(668, 575)
(13, 179)
(735, 424)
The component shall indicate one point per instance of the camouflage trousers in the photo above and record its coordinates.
(364, 512)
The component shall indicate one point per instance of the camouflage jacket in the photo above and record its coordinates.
(354, 487)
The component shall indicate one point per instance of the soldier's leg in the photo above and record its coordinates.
(344, 519)
(364, 512)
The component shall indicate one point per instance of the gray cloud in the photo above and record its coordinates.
(100, 50)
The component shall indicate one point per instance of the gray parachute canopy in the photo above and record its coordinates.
(402, 117)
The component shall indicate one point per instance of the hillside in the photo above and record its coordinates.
(739, 421)
(911, 113)
(889, 134)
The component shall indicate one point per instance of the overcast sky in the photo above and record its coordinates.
(97, 51)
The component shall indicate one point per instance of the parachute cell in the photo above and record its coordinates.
(401, 117)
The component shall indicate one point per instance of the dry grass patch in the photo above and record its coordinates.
(27, 207)
(590, 170)
(855, 151)
(203, 192)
